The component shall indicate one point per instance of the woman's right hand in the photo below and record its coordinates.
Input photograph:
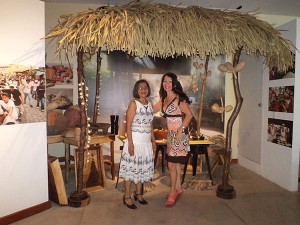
(131, 149)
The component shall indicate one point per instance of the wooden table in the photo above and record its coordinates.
(96, 140)
(197, 147)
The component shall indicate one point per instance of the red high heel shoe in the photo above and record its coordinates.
(171, 200)
(178, 191)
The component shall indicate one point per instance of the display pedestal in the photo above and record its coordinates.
(226, 192)
(79, 199)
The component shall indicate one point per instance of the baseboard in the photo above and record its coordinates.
(250, 165)
(234, 161)
(25, 213)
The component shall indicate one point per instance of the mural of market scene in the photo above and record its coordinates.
(59, 98)
(280, 132)
(22, 91)
(120, 71)
(281, 99)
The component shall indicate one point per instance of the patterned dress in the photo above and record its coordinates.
(140, 166)
(177, 151)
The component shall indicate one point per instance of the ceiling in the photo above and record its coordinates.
(271, 7)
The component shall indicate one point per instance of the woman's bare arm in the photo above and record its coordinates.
(130, 113)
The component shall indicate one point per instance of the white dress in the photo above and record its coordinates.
(140, 166)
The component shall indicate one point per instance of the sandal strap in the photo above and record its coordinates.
(127, 197)
(172, 197)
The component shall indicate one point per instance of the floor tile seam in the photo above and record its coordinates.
(236, 214)
(265, 193)
(81, 216)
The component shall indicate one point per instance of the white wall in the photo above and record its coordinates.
(277, 163)
(22, 27)
(250, 115)
(280, 164)
(23, 154)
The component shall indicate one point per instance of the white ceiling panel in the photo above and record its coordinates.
(271, 7)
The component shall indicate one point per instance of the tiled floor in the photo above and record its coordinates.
(258, 201)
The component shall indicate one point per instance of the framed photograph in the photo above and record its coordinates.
(281, 99)
(280, 132)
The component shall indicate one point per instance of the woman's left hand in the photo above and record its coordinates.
(178, 134)
(154, 147)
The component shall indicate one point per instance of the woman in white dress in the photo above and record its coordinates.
(137, 165)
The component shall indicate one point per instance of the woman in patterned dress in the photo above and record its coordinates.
(174, 105)
(137, 164)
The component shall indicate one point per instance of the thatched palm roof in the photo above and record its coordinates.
(159, 30)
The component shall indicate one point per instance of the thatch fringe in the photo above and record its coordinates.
(159, 30)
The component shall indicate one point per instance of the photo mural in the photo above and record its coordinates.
(281, 99)
(59, 98)
(119, 72)
(22, 94)
(280, 132)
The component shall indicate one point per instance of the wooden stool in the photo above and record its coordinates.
(162, 149)
(195, 151)
(96, 140)
(110, 161)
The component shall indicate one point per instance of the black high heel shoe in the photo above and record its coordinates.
(132, 206)
(143, 202)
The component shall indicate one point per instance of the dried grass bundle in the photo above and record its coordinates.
(159, 30)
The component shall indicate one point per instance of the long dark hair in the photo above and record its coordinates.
(176, 88)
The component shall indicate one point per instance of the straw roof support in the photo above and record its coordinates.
(97, 92)
(225, 190)
(80, 197)
(204, 83)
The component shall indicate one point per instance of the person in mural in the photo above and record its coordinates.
(137, 165)
(28, 91)
(17, 99)
(8, 112)
(35, 84)
(174, 105)
(40, 93)
(273, 132)
(283, 133)
(288, 101)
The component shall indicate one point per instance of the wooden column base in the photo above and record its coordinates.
(226, 192)
(79, 199)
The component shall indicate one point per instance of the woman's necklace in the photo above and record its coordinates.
(146, 107)
(144, 103)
